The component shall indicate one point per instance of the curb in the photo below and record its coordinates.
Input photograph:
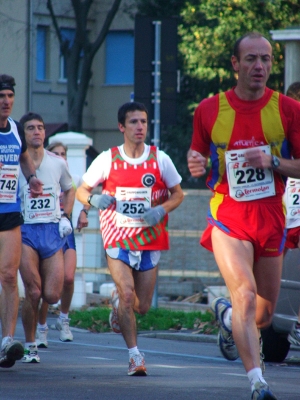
(188, 337)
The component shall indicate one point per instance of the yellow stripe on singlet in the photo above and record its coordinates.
(215, 203)
(272, 124)
(221, 132)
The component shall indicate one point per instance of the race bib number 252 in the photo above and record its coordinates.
(131, 206)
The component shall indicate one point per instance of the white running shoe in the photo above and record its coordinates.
(137, 365)
(63, 325)
(41, 337)
(113, 316)
(262, 357)
(31, 355)
(294, 336)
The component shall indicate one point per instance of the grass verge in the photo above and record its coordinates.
(96, 320)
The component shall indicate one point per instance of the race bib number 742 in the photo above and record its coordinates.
(9, 175)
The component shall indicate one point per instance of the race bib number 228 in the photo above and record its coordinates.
(246, 182)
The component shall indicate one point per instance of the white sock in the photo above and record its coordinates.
(133, 352)
(6, 340)
(63, 315)
(255, 375)
(28, 344)
(227, 316)
(42, 326)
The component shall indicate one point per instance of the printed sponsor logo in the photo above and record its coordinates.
(255, 190)
(148, 180)
(39, 215)
(239, 194)
(295, 212)
(249, 143)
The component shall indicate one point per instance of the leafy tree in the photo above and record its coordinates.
(207, 32)
(79, 54)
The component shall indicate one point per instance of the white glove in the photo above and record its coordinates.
(154, 215)
(102, 201)
(64, 227)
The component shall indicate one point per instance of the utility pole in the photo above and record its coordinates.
(156, 121)
(157, 82)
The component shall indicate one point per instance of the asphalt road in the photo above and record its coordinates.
(94, 366)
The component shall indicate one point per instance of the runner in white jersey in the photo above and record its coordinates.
(44, 231)
(140, 186)
(14, 157)
(292, 202)
(70, 259)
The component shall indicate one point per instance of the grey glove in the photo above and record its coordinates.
(64, 227)
(102, 201)
(154, 215)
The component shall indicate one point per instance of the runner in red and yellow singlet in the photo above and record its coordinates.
(251, 134)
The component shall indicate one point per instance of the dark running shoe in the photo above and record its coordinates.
(12, 352)
(262, 392)
(225, 339)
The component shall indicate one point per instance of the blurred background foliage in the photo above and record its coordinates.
(207, 31)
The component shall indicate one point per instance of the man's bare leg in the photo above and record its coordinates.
(68, 288)
(135, 294)
(29, 270)
(9, 264)
(253, 288)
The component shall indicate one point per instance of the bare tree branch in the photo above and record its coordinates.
(81, 51)
(109, 18)
(55, 24)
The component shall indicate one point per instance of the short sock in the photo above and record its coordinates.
(63, 315)
(133, 352)
(27, 344)
(255, 375)
(227, 318)
(42, 326)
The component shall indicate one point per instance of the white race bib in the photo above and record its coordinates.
(41, 208)
(131, 204)
(292, 198)
(246, 182)
(9, 175)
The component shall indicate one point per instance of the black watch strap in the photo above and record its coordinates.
(66, 215)
(89, 199)
(30, 176)
(85, 211)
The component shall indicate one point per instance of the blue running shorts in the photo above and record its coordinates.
(43, 238)
(70, 242)
(139, 260)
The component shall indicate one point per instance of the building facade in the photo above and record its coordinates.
(30, 52)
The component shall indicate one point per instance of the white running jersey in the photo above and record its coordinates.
(100, 167)
(54, 173)
(292, 203)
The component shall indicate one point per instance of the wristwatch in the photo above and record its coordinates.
(85, 211)
(89, 199)
(66, 215)
(275, 162)
(30, 176)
